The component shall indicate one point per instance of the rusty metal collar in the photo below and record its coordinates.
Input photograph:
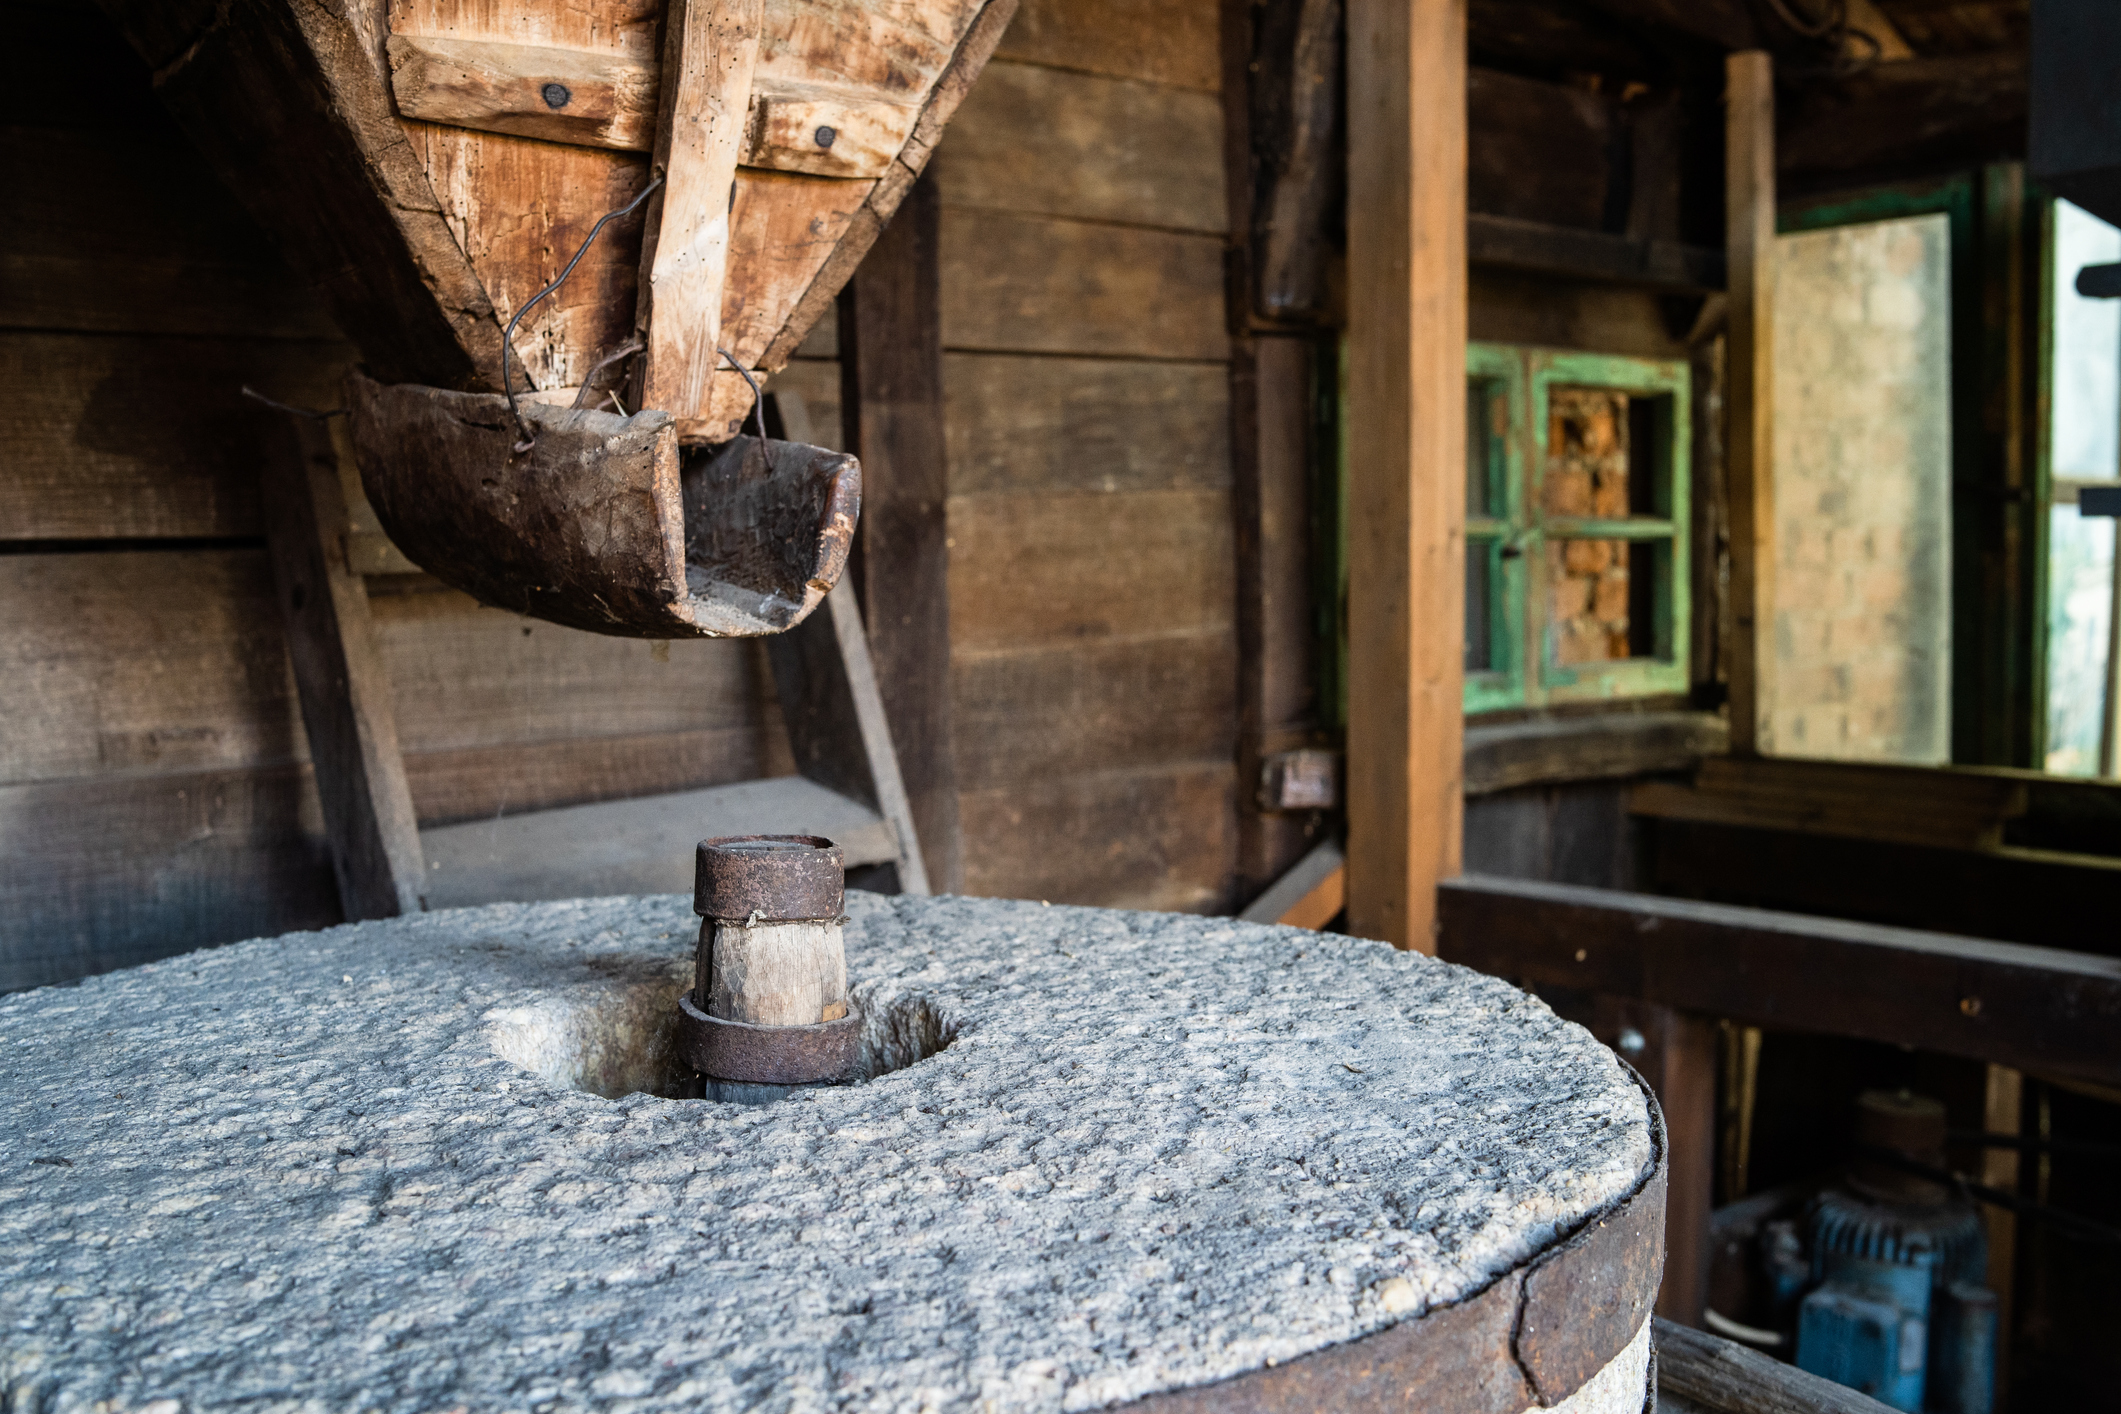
(770, 878)
(828, 1053)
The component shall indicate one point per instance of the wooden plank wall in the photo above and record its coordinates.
(154, 789)
(1093, 592)
(154, 786)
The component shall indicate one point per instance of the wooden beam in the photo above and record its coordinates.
(1406, 459)
(1510, 244)
(2002, 1113)
(1749, 203)
(347, 709)
(710, 50)
(1675, 1052)
(1698, 1371)
(891, 406)
(2037, 1009)
(1949, 110)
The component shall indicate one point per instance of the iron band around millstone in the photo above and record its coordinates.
(770, 879)
(827, 1053)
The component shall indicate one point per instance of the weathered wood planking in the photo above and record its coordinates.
(1049, 425)
(142, 660)
(1034, 284)
(320, 160)
(1031, 571)
(1538, 151)
(491, 782)
(1057, 712)
(112, 437)
(117, 870)
(77, 254)
(1506, 307)
(1039, 140)
(1157, 838)
(709, 52)
(1162, 41)
(1749, 444)
(468, 677)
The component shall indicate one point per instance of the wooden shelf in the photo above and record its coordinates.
(1508, 243)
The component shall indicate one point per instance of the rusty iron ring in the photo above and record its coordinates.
(769, 879)
(1534, 1337)
(827, 1053)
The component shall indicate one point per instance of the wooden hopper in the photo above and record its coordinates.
(433, 165)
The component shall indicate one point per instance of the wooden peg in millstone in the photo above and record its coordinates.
(768, 1008)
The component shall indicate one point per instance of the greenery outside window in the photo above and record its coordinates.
(1576, 527)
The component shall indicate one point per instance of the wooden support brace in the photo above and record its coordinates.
(1406, 460)
(346, 700)
(710, 51)
(1675, 1052)
(1749, 199)
(891, 370)
(836, 722)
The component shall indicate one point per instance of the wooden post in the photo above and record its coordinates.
(1749, 201)
(1406, 460)
(710, 48)
(891, 377)
(2002, 1113)
(347, 710)
(1675, 1052)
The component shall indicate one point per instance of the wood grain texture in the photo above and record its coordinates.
(1147, 703)
(893, 368)
(468, 679)
(1505, 757)
(1162, 41)
(1406, 457)
(116, 870)
(78, 256)
(1034, 284)
(289, 105)
(142, 660)
(1539, 151)
(710, 49)
(474, 783)
(601, 100)
(1158, 838)
(120, 437)
(1725, 1377)
(342, 682)
(1047, 142)
(2039, 1009)
(777, 974)
(1513, 307)
(1749, 199)
(1051, 425)
(1031, 571)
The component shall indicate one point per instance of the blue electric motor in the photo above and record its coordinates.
(1900, 1310)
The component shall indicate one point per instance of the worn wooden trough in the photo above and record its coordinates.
(442, 170)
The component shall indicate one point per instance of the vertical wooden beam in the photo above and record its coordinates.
(1675, 1052)
(1749, 204)
(710, 49)
(836, 723)
(2002, 1113)
(891, 381)
(347, 710)
(1406, 460)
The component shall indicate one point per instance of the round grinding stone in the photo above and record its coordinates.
(1102, 1157)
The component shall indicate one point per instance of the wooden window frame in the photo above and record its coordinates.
(1525, 673)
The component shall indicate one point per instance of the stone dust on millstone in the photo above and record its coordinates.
(1102, 1154)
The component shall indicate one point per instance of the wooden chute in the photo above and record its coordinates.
(433, 164)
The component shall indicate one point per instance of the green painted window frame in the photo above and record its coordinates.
(1520, 381)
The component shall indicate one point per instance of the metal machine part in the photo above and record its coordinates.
(768, 1008)
(1899, 1309)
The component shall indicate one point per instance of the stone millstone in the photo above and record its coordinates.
(1115, 1154)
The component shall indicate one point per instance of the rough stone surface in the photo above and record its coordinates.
(354, 1169)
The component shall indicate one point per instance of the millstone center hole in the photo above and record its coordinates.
(616, 1033)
